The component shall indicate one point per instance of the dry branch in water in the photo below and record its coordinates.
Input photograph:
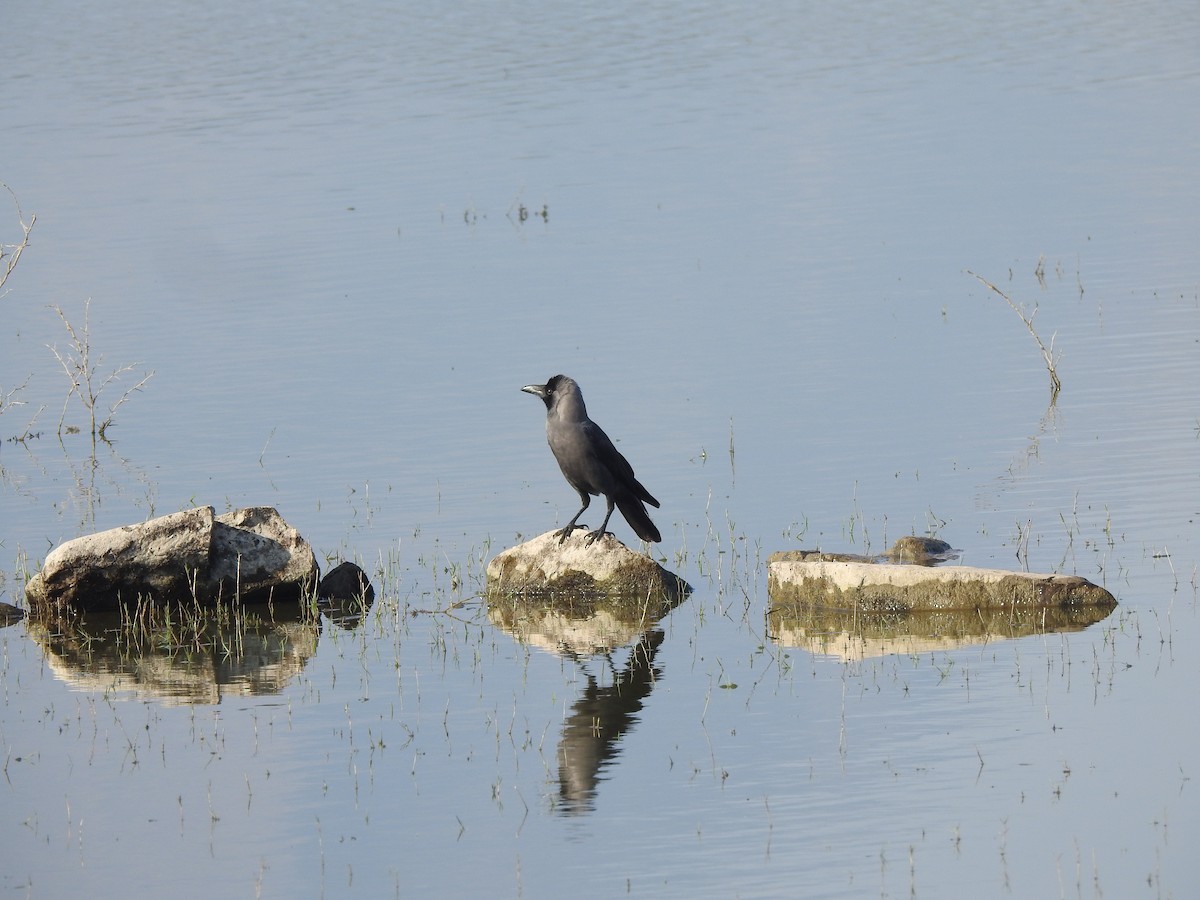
(11, 253)
(82, 373)
(1047, 352)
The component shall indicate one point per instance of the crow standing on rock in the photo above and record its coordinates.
(590, 462)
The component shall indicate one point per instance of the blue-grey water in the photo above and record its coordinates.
(342, 238)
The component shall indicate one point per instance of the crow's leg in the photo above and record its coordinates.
(594, 536)
(567, 530)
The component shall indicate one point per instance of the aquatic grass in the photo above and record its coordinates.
(797, 531)
(856, 525)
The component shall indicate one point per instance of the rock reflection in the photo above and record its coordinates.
(608, 707)
(853, 637)
(181, 656)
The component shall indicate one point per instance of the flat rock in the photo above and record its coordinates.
(189, 556)
(817, 580)
(603, 568)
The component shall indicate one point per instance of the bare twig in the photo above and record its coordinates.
(1047, 352)
(108, 420)
(11, 253)
(27, 432)
(81, 372)
(8, 399)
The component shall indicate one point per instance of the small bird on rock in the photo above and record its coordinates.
(590, 462)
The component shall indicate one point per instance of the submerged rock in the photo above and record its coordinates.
(345, 595)
(192, 556)
(10, 615)
(818, 580)
(921, 551)
(579, 567)
(346, 581)
(918, 551)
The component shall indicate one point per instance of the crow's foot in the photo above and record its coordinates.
(564, 533)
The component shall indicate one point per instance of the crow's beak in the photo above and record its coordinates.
(538, 390)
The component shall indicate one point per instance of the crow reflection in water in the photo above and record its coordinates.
(598, 719)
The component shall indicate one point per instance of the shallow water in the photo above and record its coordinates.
(342, 244)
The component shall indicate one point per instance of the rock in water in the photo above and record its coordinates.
(192, 556)
(604, 568)
(809, 579)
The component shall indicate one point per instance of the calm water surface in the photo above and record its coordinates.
(342, 240)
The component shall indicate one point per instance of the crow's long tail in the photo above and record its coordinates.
(635, 514)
